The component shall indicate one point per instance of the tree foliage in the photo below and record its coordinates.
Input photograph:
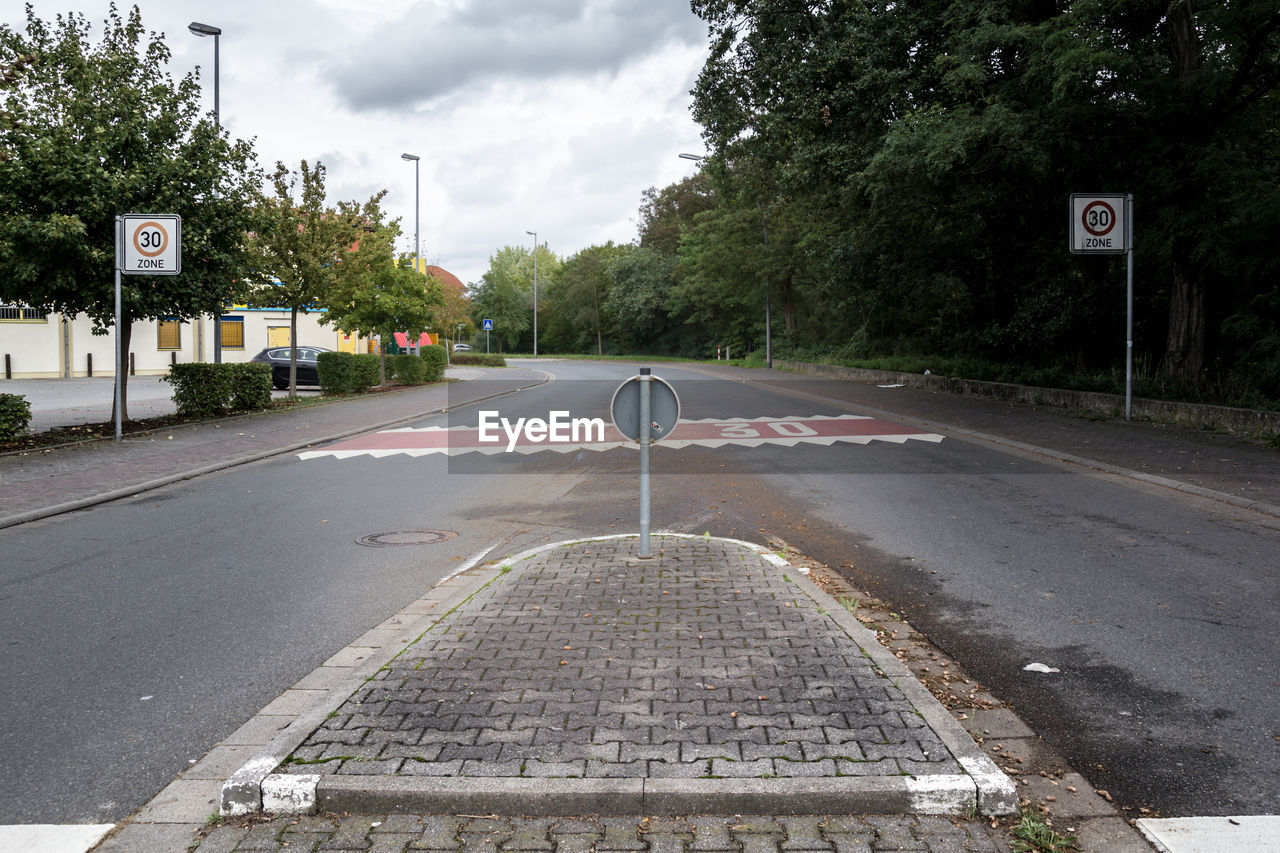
(305, 255)
(925, 150)
(505, 295)
(90, 130)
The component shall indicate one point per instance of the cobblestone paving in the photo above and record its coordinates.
(585, 662)
(399, 833)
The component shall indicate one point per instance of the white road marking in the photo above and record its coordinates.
(1245, 834)
(46, 838)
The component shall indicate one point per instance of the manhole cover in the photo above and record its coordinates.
(406, 537)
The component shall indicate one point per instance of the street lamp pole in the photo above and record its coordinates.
(768, 291)
(534, 234)
(202, 30)
(417, 237)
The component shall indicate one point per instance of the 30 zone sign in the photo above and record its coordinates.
(150, 244)
(1098, 224)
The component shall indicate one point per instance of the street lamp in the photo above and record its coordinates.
(768, 292)
(416, 235)
(534, 234)
(203, 30)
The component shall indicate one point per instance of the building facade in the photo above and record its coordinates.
(35, 345)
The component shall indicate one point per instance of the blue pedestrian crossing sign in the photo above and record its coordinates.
(488, 325)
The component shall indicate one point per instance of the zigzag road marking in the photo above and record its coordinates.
(707, 432)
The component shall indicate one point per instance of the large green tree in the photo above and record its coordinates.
(938, 142)
(90, 130)
(306, 255)
(505, 294)
(388, 298)
(578, 319)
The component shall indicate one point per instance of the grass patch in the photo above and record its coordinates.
(1032, 836)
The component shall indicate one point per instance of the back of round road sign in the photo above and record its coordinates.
(664, 408)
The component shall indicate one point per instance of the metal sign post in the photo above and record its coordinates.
(488, 327)
(146, 244)
(645, 409)
(1102, 224)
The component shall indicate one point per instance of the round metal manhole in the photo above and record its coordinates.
(406, 537)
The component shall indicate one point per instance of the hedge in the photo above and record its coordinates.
(15, 415)
(365, 370)
(409, 369)
(480, 359)
(200, 390)
(336, 371)
(250, 386)
(435, 359)
(344, 372)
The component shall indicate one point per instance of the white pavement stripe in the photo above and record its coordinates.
(1245, 834)
(46, 838)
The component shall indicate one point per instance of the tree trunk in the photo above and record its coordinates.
(1185, 348)
(126, 333)
(1184, 353)
(293, 353)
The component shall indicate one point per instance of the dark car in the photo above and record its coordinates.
(278, 358)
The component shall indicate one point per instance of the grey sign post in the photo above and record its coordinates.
(146, 244)
(645, 409)
(1102, 224)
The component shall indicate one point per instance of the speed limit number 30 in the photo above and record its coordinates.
(151, 244)
(1098, 224)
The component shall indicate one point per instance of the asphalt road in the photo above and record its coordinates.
(140, 633)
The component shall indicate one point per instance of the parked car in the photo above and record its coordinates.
(462, 347)
(278, 358)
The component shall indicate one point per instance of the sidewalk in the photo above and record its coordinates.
(577, 679)
(39, 484)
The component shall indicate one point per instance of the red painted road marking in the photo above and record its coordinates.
(709, 432)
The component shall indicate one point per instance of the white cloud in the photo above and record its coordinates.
(546, 115)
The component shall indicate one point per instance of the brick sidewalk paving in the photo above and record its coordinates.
(706, 662)
(457, 834)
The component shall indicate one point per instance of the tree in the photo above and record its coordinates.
(454, 307)
(505, 294)
(90, 131)
(578, 299)
(387, 298)
(937, 141)
(305, 255)
(642, 279)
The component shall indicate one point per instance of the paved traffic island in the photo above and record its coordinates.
(713, 678)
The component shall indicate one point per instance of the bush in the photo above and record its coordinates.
(200, 389)
(434, 358)
(409, 369)
(336, 371)
(364, 371)
(15, 415)
(479, 359)
(250, 386)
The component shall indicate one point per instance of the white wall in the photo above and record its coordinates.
(39, 350)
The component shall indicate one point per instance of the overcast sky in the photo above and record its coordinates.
(529, 115)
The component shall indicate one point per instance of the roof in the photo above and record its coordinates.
(446, 277)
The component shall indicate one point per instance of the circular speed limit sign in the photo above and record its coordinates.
(1098, 218)
(150, 244)
(150, 239)
(1098, 224)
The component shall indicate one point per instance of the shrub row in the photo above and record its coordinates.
(344, 372)
(479, 359)
(211, 389)
(15, 415)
